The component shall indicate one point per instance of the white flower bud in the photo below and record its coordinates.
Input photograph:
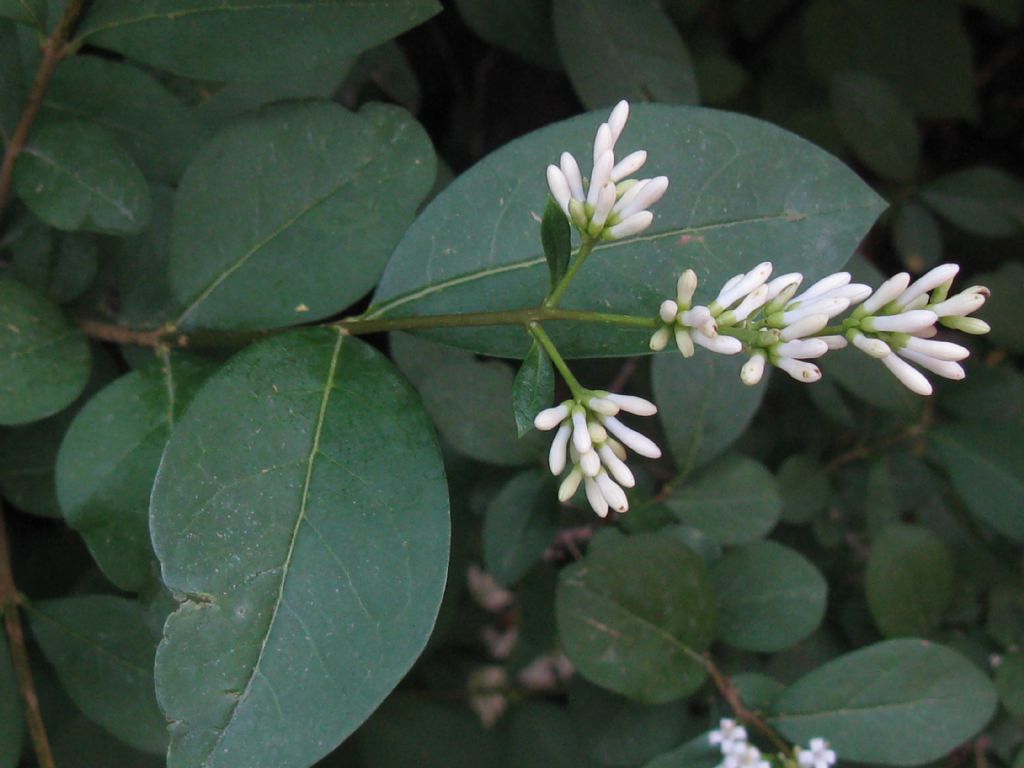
(872, 347)
(571, 171)
(612, 493)
(649, 194)
(697, 317)
(629, 165)
(723, 345)
(580, 433)
(660, 338)
(617, 448)
(605, 201)
(828, 307)
(905, 322)
(559, 187)
(854, 293)
(557, 452)
(941, 350)
(603, 405)
(629, 195)
(971, 325)
(834, 342)
(632, 439)
(945, 368)
(598, 434)
(888, 291)
(753, 370)
(909, 376)
(798, 369)
(964, 303)
(616, 466)
(940, 275)
(590, 463)
(751, 280)
(789, 281)
(668, 311)
(805, 326)
(550, 418)
(570, 485)
(617, 119)
(752, 302)
(633, 404)
(603, 142)
(578, 214)
(824, 285)
(638, 222)
(595, 497)
(686, 286)
(600, 176)
(684, 341)
(803, 349)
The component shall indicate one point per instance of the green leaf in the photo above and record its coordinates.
(635, 615)
(533, 389)
(60, 265)
(542, 734)
(470, 401)
(520, 26)
(909, 580)
(12, 725)
(769, 597)
(12, 77)
(916, 236)
(289, 215)
(301, 511)
(519, 523)
(787, 201)
(139, 112)
(245, 39)
(735, 501)
(615, 50)
(696, 753)
(804, 487)
(108, 461)
(868, 380)
(31, 12)
(920, 49)
(987, 202)
(1010, 683)
(900, 702)
(877, 125)
(1003, 311)
(102, 648)
(702, 405)
(74, 175)
(557, 241)
(44, 359)
(986, 465)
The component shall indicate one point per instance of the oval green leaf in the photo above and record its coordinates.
(533, 389)
(635, 615)
(742, 191)
(519, 523)
(984, 201)
(214, 40)
(900, 702)
(289, 215)
(44, 359)
(300, 510)
(102, 649)
(769, 597)
(74, 175)
(108, 461)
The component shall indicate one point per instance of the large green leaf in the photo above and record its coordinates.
(982, 200)
(143, 115)
(702, 405)
(635, 615)
(102, 649)
(909, 580)
(74, 175)
(769, 597)
(986, 464)
(741, 191)
(247, 39)
(108, 461)
(519, 523)
(289, 215)
(614, 50)
(521, 26)
(300, 511)
(12, 725)
(900, 702)
(44, 359)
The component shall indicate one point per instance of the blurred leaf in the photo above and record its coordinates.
(386, 68)
(290, 540)
(209, 40)
(614, 50)
(916, 236)
(288, 215)
(757, 691)
(988, 394)
(519, 523)
(987, 202)
(12, 78)
(520, 26)
(1006, 614)
(804, 487)
(635, 615)
(12, 723)
(140, 266)
(702, 405)
(877, 125)
(1010, 683)
(867, 379)
(696, 753)
(899, 702)
(720, 76)
(920, 49)
(102, 650)
(787, 201)
(533, 388)
(542, 734)
(986, 465)
(909, 580)
(769, 597)
(74, 175)
(141, 114)
(735, 501)
(31, 12)
(60, 265)
(1003, 310)
(44, 359)
(557, 241)
(469, 400)
(104, 494)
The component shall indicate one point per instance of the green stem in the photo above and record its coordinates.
(581, 256)
(578, 391)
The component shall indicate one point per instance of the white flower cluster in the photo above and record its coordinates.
(737, 752)
(598, 459)
(608, 206)
(776, 325)
(819, 754)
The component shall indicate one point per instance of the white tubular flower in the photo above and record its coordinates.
(870, 346)
(945, 368)
(909, 376)
(734, 291)
(940, 350)
(723, 345)
(942, 275)
(660, 338)
(801, 371)
(964, 303)
(611, 205)
(753, 370)
(728, 735)
(887, 292)
(823, 286)
(684, 341)
(819, 754)
(598, 460)
(911, 321)
(668, 311)
(802, 349)
(805, 326)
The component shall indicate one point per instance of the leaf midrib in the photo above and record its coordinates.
(304, 501)
(120, 207)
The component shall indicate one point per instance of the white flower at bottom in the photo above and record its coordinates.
(818, 755)
(729, 735)
(747, 757)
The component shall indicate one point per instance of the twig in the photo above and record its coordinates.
(54, 49)
(731, 695)
(9, 601)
